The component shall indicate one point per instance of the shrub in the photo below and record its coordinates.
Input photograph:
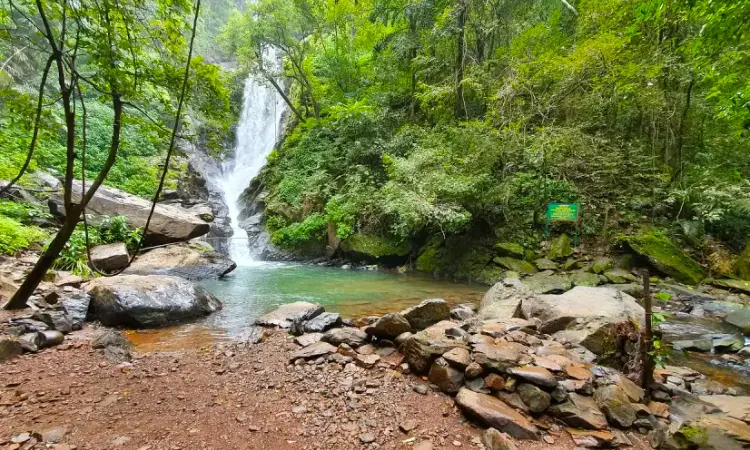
(17, 236)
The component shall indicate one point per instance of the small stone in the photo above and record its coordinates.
(421, 389)
(474, 370)
(367, 438)
(458, 357)
(408, 426)
(494, 382)
(537, 375)
(495, 440)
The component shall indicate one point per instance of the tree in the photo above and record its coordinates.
(124, 52)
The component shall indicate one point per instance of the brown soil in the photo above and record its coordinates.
(223, 397)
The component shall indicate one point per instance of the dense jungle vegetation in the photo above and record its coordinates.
(438, 124)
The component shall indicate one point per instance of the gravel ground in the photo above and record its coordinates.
(231, 396)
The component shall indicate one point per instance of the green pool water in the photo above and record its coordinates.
(250, 291)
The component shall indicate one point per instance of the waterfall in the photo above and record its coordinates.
(257, 133)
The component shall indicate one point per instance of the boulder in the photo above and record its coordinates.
(516, 265)
(110, 257)
(666, 257)
(560, 247)
(322, 322)
(536, 399)
(503, 300)
(55, 319)
(740, 319)
(714, 432)
(447, 378)
(602, 264)
(422, 348)
(31, 342)
(189, 261)
(572, 314)
(615, 405)
(353, 337)
(285, 315)
(545, 264)
(389, 326)
(148, 301)
(9, 348)
(427, 313)
(168, 224)
(579, 412)
(77, 307)
(308, 339)
(496, 414)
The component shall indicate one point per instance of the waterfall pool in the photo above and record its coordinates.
(252, 290)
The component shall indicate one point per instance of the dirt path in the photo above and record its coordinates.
(236, 397)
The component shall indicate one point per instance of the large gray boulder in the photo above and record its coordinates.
(503, 300)
(189, 261)
(148, 301)
(110, 257)
(583, 315)
(168, 224)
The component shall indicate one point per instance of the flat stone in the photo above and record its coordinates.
(536, 375)
(496, 414)
(578, 372)
(285, 315)
(313, 351)
(421, 349)
(658, 409)
(500, 356)
(547, 363)
(634, 392)
(589, 438)
(110, 257)
(308, 339)
(367, 361)
(503, 300)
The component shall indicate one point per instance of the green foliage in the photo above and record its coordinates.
(17, 237)
(22, 212)
(375, 246)
(74, 256)
(313, 228)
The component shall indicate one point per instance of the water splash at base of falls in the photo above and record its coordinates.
(257, 133)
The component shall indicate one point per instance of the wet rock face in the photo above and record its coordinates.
(148, 301)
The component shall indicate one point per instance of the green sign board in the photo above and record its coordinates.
(563, 212)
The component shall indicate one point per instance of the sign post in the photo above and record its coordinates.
(564, 212)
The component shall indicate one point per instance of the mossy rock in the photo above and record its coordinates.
(560, 248)
(375, 247)
(510, 249)
(738, 285)
(545, 264)
(742, 265)
(489, 275)
(602, 264)
(581, 278)
(433, 259)
(472, 264)
(666, 257)
(516, 265)
(572, 263)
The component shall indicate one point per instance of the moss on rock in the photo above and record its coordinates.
(666, 257)
(560, 248)
(374, 247)
(510, 249)
(742, 266)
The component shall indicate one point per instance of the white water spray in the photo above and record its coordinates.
(257, 133)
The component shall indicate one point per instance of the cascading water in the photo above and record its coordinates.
(257, 133)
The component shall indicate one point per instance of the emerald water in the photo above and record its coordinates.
(252, 290)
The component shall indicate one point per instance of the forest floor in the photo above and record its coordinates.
(225, 396)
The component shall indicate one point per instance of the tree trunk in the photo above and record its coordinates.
(283, 95)
(460, 59)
